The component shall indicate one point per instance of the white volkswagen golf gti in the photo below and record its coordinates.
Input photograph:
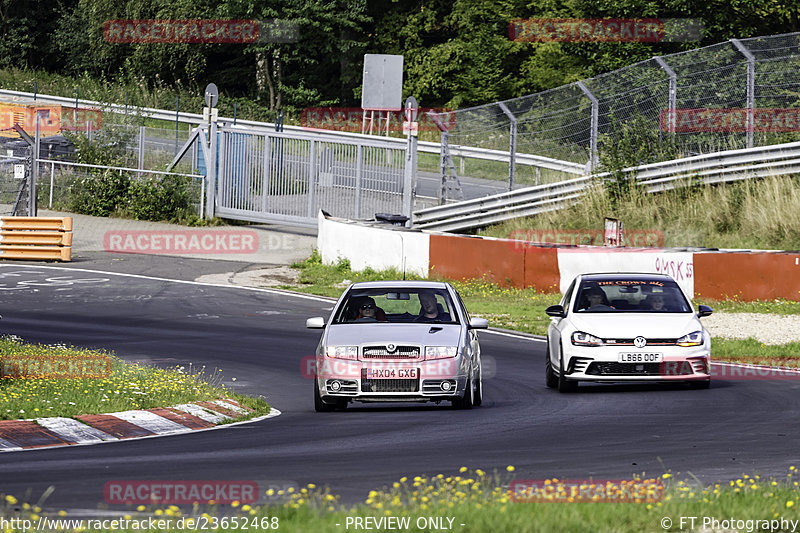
(626, 327)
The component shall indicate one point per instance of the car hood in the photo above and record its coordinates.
(626, 325)
(400, 334)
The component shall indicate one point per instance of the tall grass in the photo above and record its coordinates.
(756, 213)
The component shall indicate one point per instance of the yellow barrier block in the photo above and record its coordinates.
(36, 223)
(51, 253)
(40, 238)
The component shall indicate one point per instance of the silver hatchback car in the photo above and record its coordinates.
(398, 341)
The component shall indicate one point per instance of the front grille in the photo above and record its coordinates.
(381, 352)
(650, 342)
(634, 369)
(390, 385)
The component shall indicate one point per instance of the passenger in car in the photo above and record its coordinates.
(656, 303)
(367, 310)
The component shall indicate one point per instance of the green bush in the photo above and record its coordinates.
(167, 198)
(99, 193)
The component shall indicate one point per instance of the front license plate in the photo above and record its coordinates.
(639, 357)
(392, 373)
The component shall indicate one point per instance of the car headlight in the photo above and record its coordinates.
(581, 338)
(342, 352)
(692, 339)
(440, 352)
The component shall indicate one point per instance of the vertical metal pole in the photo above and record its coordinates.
(194, 156)
(141, 149)
(512, 145)
(443, 167)
(234, 113)
(266, 186)
(312, 176)
(32, 200)
(34, 90)
(673, 94)
(592, 164)
(211, 170)
(359, 171)
(751, 88)
(177, 110)
(126, 107)
(75, 111)
(52, 179)
(410, 173)
(223, 193)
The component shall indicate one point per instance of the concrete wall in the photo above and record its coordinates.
(719, 275)
(375, 247)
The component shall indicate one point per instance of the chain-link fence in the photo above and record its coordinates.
(78, 167)
(736, 94)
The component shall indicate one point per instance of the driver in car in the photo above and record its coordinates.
(430, 310)
(594, 297)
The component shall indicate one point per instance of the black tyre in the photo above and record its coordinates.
(550, 378)
(478, 399)
(700, 384)
(319, 405)
(467, 400)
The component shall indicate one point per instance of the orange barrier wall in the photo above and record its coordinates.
(747, 276)
(503, 262)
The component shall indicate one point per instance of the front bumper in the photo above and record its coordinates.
(602, 364)
(436, 380)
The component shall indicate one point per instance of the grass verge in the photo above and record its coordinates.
(126, 387)
(523, 309)
(472, 500)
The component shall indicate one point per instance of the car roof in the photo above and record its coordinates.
(400, 284)
(613, 276)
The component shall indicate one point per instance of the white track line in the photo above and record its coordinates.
(150, 421)
(72, 430)
(220, 285)
(202, 413)
(230, 407)
(12, 448)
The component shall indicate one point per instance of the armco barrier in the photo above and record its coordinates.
(36, 238)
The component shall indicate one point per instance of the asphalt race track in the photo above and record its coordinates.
(259, 338)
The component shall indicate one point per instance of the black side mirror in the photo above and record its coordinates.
(704, 310)
(556, 311)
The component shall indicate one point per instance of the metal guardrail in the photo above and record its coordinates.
(731, 165)
(423, 146)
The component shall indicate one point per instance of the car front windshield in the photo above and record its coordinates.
(630, 296)
(396, 306)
